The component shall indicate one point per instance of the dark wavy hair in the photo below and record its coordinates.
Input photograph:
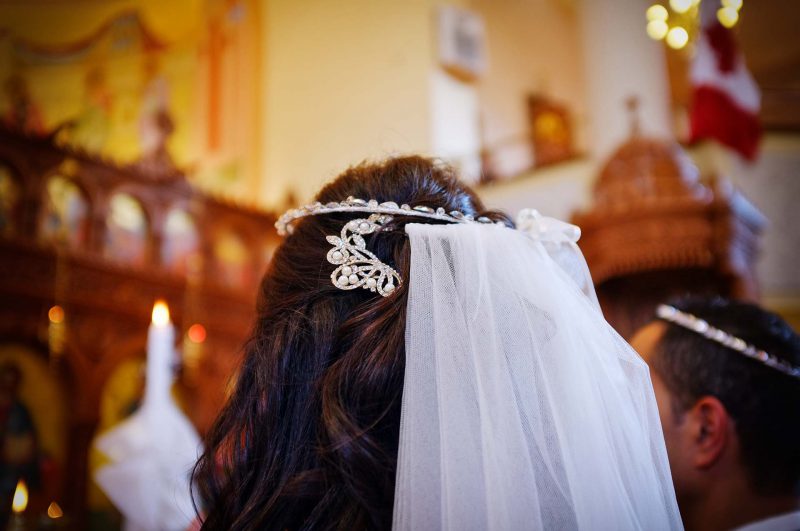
(308, 439)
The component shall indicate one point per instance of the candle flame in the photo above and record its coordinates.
(20, 501)
(160, 313)
(54, 511)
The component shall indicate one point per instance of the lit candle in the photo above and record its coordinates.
(155, 446)
(160, 351)
(18, 506)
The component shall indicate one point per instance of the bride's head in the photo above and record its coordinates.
(309, 436)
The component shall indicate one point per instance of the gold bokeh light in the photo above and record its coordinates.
(657, 12)
(680, 6)
(728, 16)
(733, 4)
(657, 29)
(677, 38)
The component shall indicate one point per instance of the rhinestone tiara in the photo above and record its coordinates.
(352, 204)
(703, 328)
(357, 267)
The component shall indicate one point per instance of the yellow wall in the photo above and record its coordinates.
(533, 46)
(66, 22)
(343, 81)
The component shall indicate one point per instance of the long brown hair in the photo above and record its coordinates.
(308, 439)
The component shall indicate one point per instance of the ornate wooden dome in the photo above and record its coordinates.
(655, 230)
(647, 169)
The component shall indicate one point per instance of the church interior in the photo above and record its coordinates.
(147, 149)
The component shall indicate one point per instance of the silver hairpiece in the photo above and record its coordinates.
(699, 326)
(357, 266)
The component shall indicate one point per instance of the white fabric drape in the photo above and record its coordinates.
(152, 452)
(522, 408)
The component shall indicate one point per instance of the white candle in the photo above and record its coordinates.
(156, 446)
(160, 350)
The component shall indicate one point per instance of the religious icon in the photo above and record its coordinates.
(181, 241)
(126, 230)
(551, 131)
(33, 430)
(66, 213)
(233, 261)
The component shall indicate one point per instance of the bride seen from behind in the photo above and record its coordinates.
(418, 363)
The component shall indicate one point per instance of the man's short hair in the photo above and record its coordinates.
(763, 402)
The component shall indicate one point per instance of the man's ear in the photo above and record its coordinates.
(709, 425)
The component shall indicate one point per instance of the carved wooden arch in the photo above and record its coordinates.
(248, 236)
(87, 192)
(153, 218)
(79, 171)
(194, 210)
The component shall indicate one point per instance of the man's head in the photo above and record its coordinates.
(726, 417)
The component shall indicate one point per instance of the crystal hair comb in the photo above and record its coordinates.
(703, 328)
(356, 266)
(359, 268)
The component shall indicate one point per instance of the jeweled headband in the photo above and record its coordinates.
(351, 204)
(703, 328)
(357, 267)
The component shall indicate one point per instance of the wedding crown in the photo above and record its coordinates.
(357, 267)
(702, 327)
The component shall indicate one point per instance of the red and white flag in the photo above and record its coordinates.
(725, 98)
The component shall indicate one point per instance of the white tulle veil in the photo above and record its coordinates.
(522, 408)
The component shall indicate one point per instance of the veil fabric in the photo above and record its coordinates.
(522, 408)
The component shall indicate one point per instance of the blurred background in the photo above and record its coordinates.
(147, 147)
